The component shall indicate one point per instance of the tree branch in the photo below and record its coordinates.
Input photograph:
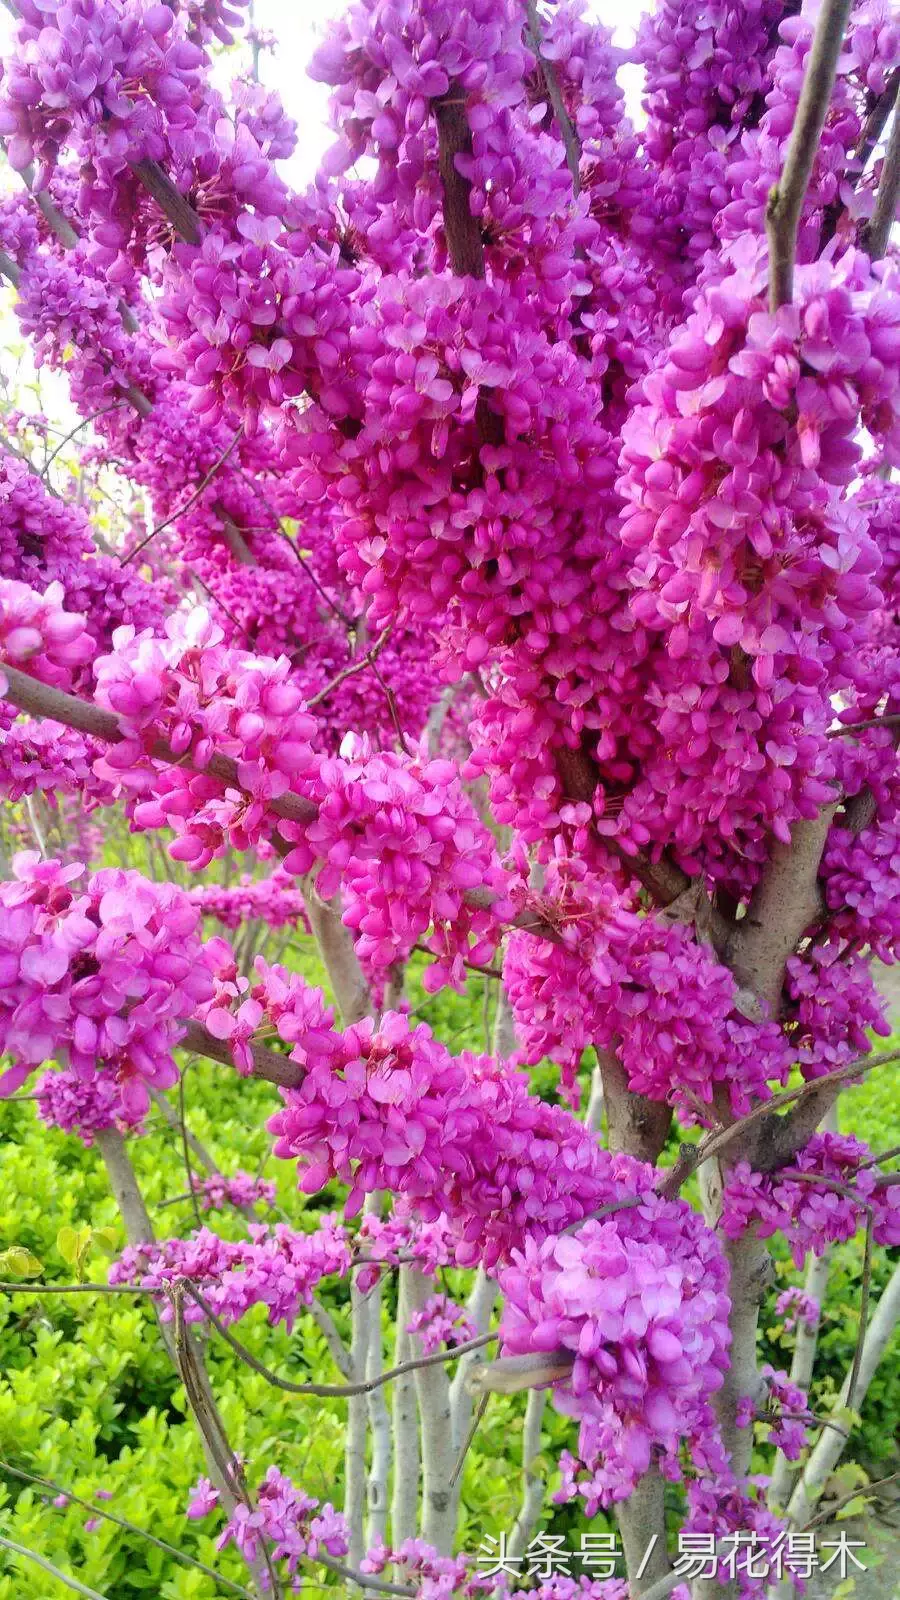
(830, 1447)
(339, 1391)
(876, 233)
(194, 496)
(41, 1561)
(779, 1138)
(785, 204)
(97, 1510)
(550, 76)
(180, 212)
(462, 230)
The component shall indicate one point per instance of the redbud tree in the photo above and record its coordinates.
(509, 572)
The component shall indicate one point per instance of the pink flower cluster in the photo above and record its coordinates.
(241, 1190)
(640, 1300)
(792, 1416)
(276, 1267)
(44, 540)
(46, 758)
(645, 989)
(100, 980)
(39, 636)
(82, 1105)
(823, 1198)
(275, 900)
(388, 1107)
(401, 838)
(399, 831)
(441, 1321)
(281, 1523)
(795, 1306)
(438, 1577)
(747, 564)
(203, 700)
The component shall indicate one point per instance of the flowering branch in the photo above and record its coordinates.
(172, 204)
(42, 700)
(779, 1138)
(461, 228)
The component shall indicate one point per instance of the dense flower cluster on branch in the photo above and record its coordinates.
(101, 979)
(822, 1198)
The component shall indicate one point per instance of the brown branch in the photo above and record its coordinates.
(233, 538)
(173, 205)
(876, 121)
(85, 421)
(359, 665)
(41, 700)
(892, 720)
(463, 231)
(864, 1489)
(361, 1579)
(331, 1390)
(785, 204)
(301, 560)
(875, 234)
(550, 76)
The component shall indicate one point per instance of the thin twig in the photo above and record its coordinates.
(331, 1390)
(361, 1579)
(366, 660)
(785, 204)
(865, 1293)
(471, 966)
(891, 720)
(117, 405)
(174, 515)
(41, 1561)
(130, 1527)
(467, 1442)
(883, 1155)
(221, 605)
(690, 1157)
(74, 1288)
(876, 232)
(550, 76)
(865, 1488)
(283, 534)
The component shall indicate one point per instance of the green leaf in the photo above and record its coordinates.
(67, 1244)
(20, 1262)
(107, 1239)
